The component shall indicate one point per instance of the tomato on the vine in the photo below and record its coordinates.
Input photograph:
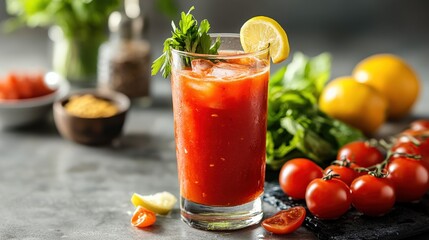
(346, 174)
(361, 153)
(328, 199)
(409, 177)
(296, 174)
(410, 135)
(420, 125)
(409, 147)
(373, 196)
(285, 221)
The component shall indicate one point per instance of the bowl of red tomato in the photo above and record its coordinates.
(27, 98)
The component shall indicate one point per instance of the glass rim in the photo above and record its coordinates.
(217, 56)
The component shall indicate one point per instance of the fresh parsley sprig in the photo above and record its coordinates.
(188, 37)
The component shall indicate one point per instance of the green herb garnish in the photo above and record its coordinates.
(77, 19)
(296, 125)
(188, 37)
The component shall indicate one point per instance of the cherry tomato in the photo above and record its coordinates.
(409, 147)
(3, 95)
(23, 86)
(39, 85)
(420, 125)
(347, 174)
(328, 199)
(359, 173)
(409, 177)
(410, 135)
(361, 153)
(10, 88)
(372, 196)
(285, 221)
(143, 217)
(296, 174)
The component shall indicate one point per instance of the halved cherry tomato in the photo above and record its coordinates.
(296, 174)
(361, 153)
(328, 199)
(409, 177)
(373, 196)
(285, 221)
(143, 217)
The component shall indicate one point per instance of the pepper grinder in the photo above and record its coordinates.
(124, 63)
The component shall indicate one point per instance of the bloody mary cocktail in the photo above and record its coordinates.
(220, 115)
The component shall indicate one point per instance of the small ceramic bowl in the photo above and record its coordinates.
(24, 112)
(92, 131)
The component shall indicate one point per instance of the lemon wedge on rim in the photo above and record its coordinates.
(259, 32)
(160, 203)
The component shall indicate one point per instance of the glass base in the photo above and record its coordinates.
(221, 218)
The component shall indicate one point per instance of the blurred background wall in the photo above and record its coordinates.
(350, 30)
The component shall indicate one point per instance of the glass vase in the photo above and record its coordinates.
(75, 57)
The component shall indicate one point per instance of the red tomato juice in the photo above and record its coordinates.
(220, 130)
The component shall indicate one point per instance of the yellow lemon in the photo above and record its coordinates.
(393, 78)
(160, 203)
(354, 103)
(259, 32)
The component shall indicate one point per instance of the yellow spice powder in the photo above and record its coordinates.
(88, 106)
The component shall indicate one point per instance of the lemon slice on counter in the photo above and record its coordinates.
(259, 32)
(160, 203)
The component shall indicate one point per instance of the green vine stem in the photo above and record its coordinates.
(343, 162)
(379, 170)
(329, 175)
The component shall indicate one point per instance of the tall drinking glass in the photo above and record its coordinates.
(220, 118)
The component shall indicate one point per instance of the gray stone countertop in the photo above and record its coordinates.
(51, 188)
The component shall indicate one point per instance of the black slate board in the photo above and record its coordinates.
(404, 221)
